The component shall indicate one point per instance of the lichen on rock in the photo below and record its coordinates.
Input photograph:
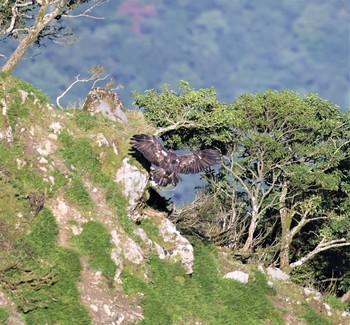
(105, 101)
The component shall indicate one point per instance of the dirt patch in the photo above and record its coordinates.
(14, 316)
(68, 218)
(107, 305)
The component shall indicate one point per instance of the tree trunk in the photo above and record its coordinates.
(17, 55)
(253, 223)
(346, 297)
(286, 237)
(42, 20)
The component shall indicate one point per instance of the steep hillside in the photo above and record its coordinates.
(83, 240)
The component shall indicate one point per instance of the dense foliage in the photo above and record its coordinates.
(284, 178)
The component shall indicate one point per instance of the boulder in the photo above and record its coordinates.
(181, 249)
(277, 274)
(134, 183)
(238, 276)
(105, 101)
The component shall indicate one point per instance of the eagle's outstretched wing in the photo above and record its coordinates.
(198, 161)
(150, 147)
(169, 162)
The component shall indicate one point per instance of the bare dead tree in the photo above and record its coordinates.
(95, 76)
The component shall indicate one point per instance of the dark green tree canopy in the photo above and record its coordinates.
(193, 118)
(284, 178)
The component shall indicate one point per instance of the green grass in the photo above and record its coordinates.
(313, 318)
(151, 229)
(44, 233)
(63, 304)
(3, 316)
(78, 195)
(85, 120)
(17, 111)
(335, 302)
(19, 84)
(95, 242)
(46, 277)
(79, 153)
(172, 297)
(26, 180)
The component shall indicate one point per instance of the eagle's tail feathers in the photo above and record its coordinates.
(164, 177)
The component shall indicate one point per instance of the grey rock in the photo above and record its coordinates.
(277, 274)
(105, 101)
(238, 276)
(134, 183)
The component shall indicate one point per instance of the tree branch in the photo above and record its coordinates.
(77, 80)
(322, 246)
(86, 13)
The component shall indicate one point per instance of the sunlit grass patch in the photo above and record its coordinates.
(95, 243)
(172, 297)
(42, 277)
(3, 316)
(314, 318)
(78, 194)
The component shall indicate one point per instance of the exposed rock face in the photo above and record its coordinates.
(134, 183)
(149, 243)
(6, 135)
(182, 250)
(5, 129)
(105, 101)
(277, 274)
(126, 248)
(238, 276)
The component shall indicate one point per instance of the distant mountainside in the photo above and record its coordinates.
(236, 46)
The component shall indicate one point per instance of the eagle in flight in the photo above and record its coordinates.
(169, 163)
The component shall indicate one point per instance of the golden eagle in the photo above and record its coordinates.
(169, 163)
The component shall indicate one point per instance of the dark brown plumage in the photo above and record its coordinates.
(169, 163)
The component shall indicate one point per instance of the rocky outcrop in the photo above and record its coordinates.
(276, 274)
(5, 129)
(105, 101)
(134, 182)
(178, 248)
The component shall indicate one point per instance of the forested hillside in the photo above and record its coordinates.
(236, 46)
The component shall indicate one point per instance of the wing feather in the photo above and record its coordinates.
(150, 147)
(164, 177)
(169, 162)
(198, 161)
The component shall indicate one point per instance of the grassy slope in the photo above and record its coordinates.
(41, 277)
